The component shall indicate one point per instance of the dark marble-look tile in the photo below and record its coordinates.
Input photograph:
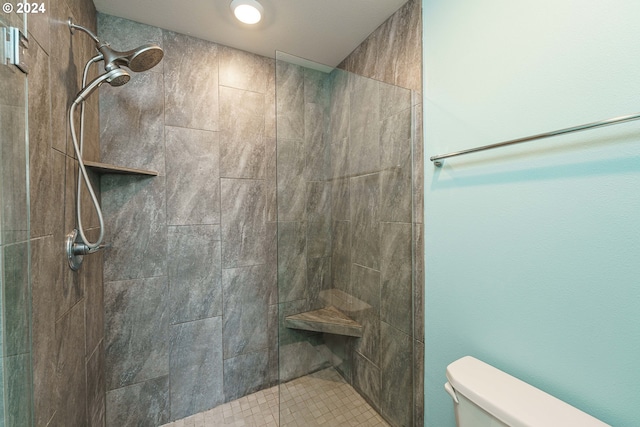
(290, 101)
(271, 184)
(247, 292)
(196, 367)
(395, 269)
(13, 179)
(317, 152)
(43, 205)
(318, 280)
(286, 335)
(418, 165)
(66, 70)
(396, 193)
(123, 34)
(191, 96)
(302, 358)
(44, 261)
(193, 187)
(409, 30)
(393, 100)
(15, 299)
(270, 99)
(366, 379)
(143, 404)
(365, 216)
(96, 405)
(364, 121)
(272, 260)
(318, 201)
(242, 148)
(194, 269)
(17, 386)
(91, 280)
(71, 369)
(418, 383)
(132, 123)
(341, 255)
(134, 213)
(243, 70)
(245, 374)
(340, 200)
(385, 46)
(39, 26)
(273, 344)
(396, 366)
(243, 222)
(318, 239)
(339, 105)
(341, 348)
(292, 261)
(316, 87)
(366, 289)
(136, 331)
(291, 190)
(418, 284)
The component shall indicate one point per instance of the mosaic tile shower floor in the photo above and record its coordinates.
(320, 399)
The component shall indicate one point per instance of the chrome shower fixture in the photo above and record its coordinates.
(140, 59)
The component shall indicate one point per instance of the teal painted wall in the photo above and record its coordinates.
(533, 251)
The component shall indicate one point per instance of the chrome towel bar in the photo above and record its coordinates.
(438, 160)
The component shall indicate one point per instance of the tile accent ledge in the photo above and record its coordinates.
(328, 320)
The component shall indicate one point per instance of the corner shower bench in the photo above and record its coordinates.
(328, 320)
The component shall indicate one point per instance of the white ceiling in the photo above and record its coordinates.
(324, 31)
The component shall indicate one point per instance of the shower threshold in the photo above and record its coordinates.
(319, 399)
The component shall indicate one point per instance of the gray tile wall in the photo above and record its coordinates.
(190, 282)
(346, 230)
(393, 54)
(67, 307)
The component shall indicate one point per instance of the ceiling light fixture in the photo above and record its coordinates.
(247, 11)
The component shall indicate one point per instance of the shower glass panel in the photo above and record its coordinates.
(345, 253)
(16, 408)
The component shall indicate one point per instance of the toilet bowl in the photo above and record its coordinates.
(484, 396)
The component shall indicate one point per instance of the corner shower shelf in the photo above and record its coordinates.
(104, 168)
(328, 320)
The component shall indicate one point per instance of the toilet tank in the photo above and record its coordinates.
(487, 397)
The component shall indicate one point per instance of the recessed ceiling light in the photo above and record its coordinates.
(247, 11)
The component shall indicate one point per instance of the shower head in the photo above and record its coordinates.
(115, 77)
(140, 59)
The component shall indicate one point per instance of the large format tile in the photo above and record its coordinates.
(96, 403)
(193, 187)
(366, 290)
(16, 299)
(243, 222)
(141, 404)
(123, 34)
(364, 125)
(318, 280)
(132, 123)
(136, 331)
(191, 82)
(396, 367)
(242, 148)
(135, 219)
(245, 374)
(291, 187)
(365, 216)
(292, 261)
(396, 264)
(195, 270)
(366, 379)
(316, 145)
(17, 384)
(341, 255)
(247, 292)
(196, 367)
(289, 100)
(243, 70)
(71, 369)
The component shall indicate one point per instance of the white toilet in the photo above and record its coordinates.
(484, 396)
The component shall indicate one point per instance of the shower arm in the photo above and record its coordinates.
(73, 27)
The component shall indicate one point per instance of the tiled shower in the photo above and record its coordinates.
(258, 211)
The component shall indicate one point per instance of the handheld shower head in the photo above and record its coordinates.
(140, 59)
(115, 77)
